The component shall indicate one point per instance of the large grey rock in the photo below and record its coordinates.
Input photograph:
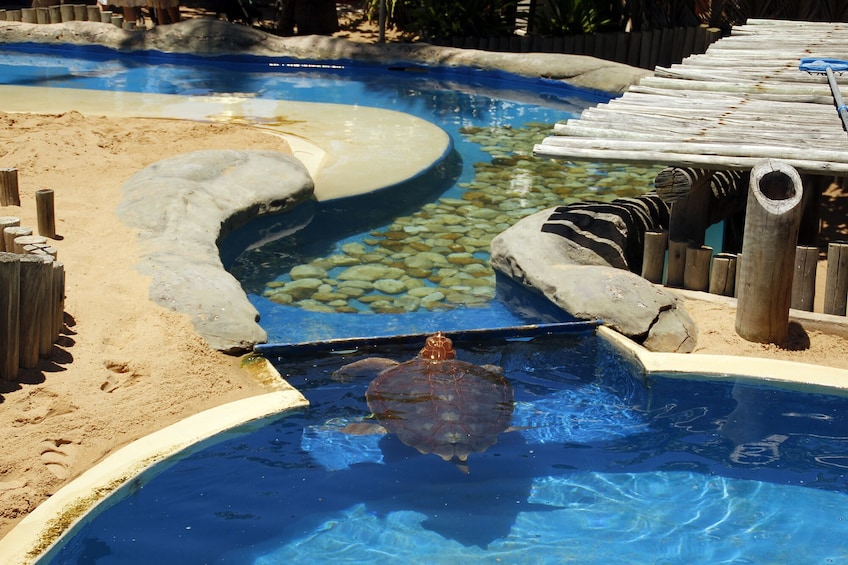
(581, 283)
(182, 206)
(204, 36)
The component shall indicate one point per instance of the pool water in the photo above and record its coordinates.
(598, 468)
(489, 180)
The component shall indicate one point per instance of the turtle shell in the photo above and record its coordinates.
(441, 405)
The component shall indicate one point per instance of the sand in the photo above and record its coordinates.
(125, 366)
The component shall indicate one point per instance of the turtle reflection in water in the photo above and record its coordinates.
(436, 403)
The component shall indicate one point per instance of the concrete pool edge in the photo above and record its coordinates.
(65, 510)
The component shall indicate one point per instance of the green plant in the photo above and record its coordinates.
(569, 17)
(448, 18)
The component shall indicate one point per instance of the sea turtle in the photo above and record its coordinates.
(436, 403)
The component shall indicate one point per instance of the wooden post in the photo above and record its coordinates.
(92, 13)
(45, 210)
(736, 284)
(24, 240)
(29, 15)
(9, 194)
(80, 12)
(58, 299)
(9, 235)
(7, 222)
(696, 275)
(36, 286)
(723, 274)
(804, 279)
(771, 234)
(676, 263)
(66, 12)
(10, 277)
(653, 260)
(836, 284)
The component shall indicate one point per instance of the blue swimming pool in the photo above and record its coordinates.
(598, 467)
(448, 214)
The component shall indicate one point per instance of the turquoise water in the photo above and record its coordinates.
(597, 469)
(458, 100)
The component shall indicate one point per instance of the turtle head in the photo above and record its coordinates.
(437, 348)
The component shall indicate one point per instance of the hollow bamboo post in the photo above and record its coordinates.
(7, 222)
(723, 274)
(696, 275)
(10, 234)
(80, 12)
(10, 276)
(36, 315)
(54, 14)
(653, 260)
(42, 15)
(46, 214)
(106, 17)
(773, 216)
(836, 284)
(676, 263)
(804, 279)
(29, 15)
(93, 14)
(9, 194)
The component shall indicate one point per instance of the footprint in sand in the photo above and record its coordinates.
(120, 374)
(58, 455)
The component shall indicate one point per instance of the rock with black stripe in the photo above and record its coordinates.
(589, 276)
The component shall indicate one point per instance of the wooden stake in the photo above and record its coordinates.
(45, 211)
(36, 284)
(804, 279)
(696, 275)
(676, 263)
(723, 274)
(58, 299)
(10, 277)
(9, 195)
(7, 222)
(9, 235)
(22, 241)
(836, 284)
(653, 260)
(771, 234)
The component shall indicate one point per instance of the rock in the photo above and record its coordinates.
(307, 272)
(181, 205)
(581, 283)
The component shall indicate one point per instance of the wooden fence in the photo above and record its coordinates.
(32, 284)
(645, 49)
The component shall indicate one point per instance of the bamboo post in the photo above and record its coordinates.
(93, 14)
(10, 277)
(7, 222)
(54, 14)
(66, 12)
(36, 285)
(804, 279)
(676, 263)
(45, 210)
(653, 260)
(696, 275)
(723, 274)
(13, 15)
(42, 15)
(836, 284)
(10, 234)
(29, 16)
(80, 12)
(106, 17)
(773, 216)
(9, 195)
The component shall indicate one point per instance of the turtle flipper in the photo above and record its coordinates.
(369, 367)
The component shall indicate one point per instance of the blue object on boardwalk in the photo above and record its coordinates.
(828, 66)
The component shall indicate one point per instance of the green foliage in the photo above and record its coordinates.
(569, 17)
(448, 18)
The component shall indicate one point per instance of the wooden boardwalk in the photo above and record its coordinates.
(743, 101)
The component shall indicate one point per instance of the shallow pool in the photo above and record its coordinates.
(429, 237)
(597, 468)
